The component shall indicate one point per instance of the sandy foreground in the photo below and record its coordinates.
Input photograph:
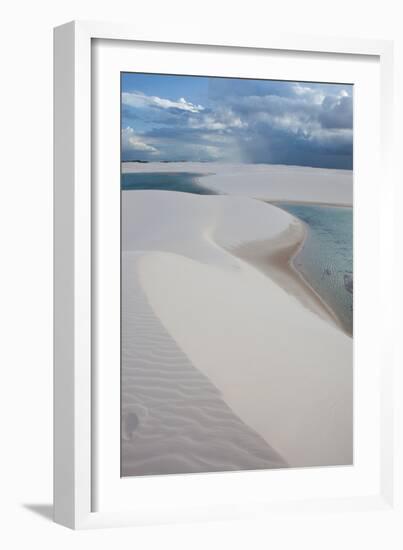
(229, 360)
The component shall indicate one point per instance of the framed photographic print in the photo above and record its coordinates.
(215, 291)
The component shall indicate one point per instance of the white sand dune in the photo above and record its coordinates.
(269, 182)
(174, 419)
(223, 366)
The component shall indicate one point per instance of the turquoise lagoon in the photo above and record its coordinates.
(326, 257)
(164, 181)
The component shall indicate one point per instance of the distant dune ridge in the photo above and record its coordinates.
(229, 361)
(271, 182)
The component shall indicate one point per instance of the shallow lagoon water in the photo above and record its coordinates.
(326, 258)
(185, 182)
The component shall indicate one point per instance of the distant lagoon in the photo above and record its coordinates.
(184, 182)
(326, 257)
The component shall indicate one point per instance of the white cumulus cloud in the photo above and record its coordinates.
(138, 99)
(133, 142)
(313, 95)
(223, 119)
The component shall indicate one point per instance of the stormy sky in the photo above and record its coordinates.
(235, 120)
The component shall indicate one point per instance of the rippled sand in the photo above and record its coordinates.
(174, 420)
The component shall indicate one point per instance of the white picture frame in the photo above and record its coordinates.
(77, 423)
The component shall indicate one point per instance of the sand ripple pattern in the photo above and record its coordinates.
(174, 420)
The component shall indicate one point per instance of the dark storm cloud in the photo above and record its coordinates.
(337, 113)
